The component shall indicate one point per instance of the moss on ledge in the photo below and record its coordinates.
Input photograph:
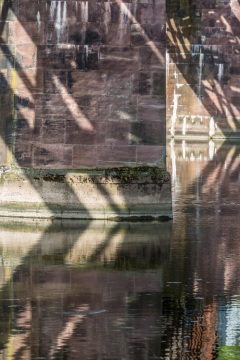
(122, 175)
(144, 174)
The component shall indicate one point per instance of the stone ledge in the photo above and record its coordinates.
(137, 193)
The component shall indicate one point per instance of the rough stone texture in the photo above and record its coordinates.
(82, 86)
(115, 193)
(82, 83)
(203, 68)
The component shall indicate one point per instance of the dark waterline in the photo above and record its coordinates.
(94, 290)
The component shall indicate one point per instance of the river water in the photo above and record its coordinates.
(104, 290)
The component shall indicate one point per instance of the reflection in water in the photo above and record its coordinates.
(104, 290)
(205, 249)
(81, 290)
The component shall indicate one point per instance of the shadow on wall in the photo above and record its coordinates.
(88, 92)
(203, 53)
(66, 106)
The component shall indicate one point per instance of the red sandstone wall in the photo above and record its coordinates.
(203, 73)
(82, 83)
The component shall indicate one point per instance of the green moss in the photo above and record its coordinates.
(51, 177)
(229, 353)
(143, 174)
(123, 175)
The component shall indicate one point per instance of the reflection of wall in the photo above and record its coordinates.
(206, 201)
(88, 80)
(72, 270)
(202, 67)
(110, 241)
(204, 249)
(191, 157)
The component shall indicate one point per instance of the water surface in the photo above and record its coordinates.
(103, 290)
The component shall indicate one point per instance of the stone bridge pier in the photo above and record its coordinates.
(83, 109)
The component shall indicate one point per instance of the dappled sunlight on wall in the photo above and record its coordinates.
(203, 77)
(84, 80)
(83, 87)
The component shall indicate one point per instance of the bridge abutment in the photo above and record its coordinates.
(83, 109)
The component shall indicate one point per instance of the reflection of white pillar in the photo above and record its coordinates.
(184, 127)
(173, 157)
(184, 149)
(174, 115)
(211, 149)
(211, 127)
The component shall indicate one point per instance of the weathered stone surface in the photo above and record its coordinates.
(82, 87)
(202, 65)
(116, 193)
(81, 78)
